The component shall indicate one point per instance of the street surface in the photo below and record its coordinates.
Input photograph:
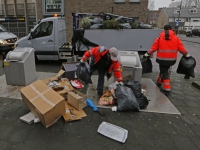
(146, 131)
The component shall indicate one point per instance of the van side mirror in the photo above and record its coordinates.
(32, 34)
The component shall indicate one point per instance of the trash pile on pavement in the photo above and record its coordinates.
(55, 97)
(50, 99)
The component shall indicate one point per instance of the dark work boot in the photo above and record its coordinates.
(159, 81)
(166, 87)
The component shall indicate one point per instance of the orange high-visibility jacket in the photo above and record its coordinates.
(167, 49)
(97, 53)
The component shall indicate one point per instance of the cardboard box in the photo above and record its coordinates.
(44, 103)
(77, 99)
(64, 82)
(72, 114)
(56, 78)
(67, 88)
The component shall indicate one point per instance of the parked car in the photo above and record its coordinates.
(7, 40)
(193, 32)
(196, 32)
(188, 33)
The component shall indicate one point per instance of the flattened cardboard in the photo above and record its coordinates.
(44, 103)
(72, 114)
(77, 99)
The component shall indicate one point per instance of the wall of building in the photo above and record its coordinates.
(153, 16)
(96, 6)
(162, 19)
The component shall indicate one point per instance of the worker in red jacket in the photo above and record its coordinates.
(105, 61)
(166, 45)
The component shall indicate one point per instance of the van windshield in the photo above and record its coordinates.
(2, 28)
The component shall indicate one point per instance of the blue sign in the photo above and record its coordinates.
(177, 22)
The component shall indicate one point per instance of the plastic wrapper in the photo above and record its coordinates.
(107, 99)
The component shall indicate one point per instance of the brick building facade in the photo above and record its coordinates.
(153, 16)
(127, 8)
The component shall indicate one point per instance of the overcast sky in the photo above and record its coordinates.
(162, 3)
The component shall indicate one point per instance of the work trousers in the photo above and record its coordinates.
(101, 74)
(164, 72)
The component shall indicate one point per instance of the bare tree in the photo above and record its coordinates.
(151, 4)
(190, 3)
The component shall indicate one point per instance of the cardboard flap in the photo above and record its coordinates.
(60, 73)
(72, 114)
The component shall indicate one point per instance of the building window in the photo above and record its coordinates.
(51, 7)
(10, 7)
(1, 7)
(134, 1)
(31, 7)
(193, 11)
(176, 11)
(20, 7)
(120, 1)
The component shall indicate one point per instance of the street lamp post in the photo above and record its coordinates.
(177, 23)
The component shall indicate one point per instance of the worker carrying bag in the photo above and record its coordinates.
(146, 65)
(186, 66)
(126, 99)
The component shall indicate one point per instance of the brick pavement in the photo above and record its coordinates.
(147, 131)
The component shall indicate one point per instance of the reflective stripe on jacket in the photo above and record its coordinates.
(167, 49)
(97, 53)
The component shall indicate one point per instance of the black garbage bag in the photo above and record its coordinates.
(126, 99)
(135, 87)
(186, 66)
(82, 73)
(143, 101)
(146, 65)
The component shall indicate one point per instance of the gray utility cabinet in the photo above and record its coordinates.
(131, 65)
(19, 66)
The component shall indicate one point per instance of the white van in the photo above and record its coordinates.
(7, 40)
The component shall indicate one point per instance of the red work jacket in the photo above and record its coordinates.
(167, 49)
(97, 53)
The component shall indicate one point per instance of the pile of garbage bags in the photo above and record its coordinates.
(127, 97)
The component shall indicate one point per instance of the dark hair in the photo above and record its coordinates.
(167, 27)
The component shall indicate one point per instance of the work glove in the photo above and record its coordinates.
(82, 63)
(146, 55)
(187, 55)
(119, 83)
(108, 75)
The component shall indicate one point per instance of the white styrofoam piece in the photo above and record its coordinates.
(112, 131)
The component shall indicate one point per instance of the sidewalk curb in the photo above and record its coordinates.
(195, 84)
(190, 41)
